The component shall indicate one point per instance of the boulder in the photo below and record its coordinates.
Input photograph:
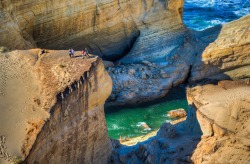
(177, 113)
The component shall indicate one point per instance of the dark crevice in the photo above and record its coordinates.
(127, 49)
(186, 81)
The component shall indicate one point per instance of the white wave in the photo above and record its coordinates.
(216, 22)
(242, 12)
(144, 125)
(114, 127)
(140, 124)
(168, 121)
(202, 3)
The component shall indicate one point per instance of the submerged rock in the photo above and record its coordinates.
(143, 125)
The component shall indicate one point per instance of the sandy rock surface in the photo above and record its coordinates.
(223, 114)
(177, 113)
(228, 57)
(32, 84)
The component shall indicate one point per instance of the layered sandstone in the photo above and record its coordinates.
(223, 112)
(108, 28)
(228, 57)
(52, 108)
(156, 47)
(218, 53)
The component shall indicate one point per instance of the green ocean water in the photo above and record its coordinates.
(126, 121)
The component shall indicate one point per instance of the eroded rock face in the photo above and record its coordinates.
(218, 53)
(216, 130)
(228, 57)
(223, 114)
(108, 28)
(52, 108)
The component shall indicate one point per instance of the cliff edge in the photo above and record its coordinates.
(53, 102)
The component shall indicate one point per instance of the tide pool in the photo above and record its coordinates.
(128, 121)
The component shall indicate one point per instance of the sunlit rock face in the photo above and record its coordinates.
(223, 115)
(108, 28)
(51, 108)
(228, 57)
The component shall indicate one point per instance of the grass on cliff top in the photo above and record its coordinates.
(4, 49)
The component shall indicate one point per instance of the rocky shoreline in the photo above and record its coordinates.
(199, 139)
(52, 105)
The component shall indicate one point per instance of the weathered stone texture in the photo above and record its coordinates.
(223, 112)
(52, 108)
(228, 57)
(108, 27)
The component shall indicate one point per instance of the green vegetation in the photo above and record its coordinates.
(4, 49)
(17, 160)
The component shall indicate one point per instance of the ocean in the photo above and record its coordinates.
(203, 14)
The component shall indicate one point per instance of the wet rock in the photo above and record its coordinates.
(131, 71)
(163, 143)
(167, 130)
(144, 75)
(115, 143)
(144, 125)
(150, 159)
(147, 63)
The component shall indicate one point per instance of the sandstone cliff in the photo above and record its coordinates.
(228, 57)
(223, 112)
(108, 28)
(155, 49)
(218, 53)
(52, 108)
